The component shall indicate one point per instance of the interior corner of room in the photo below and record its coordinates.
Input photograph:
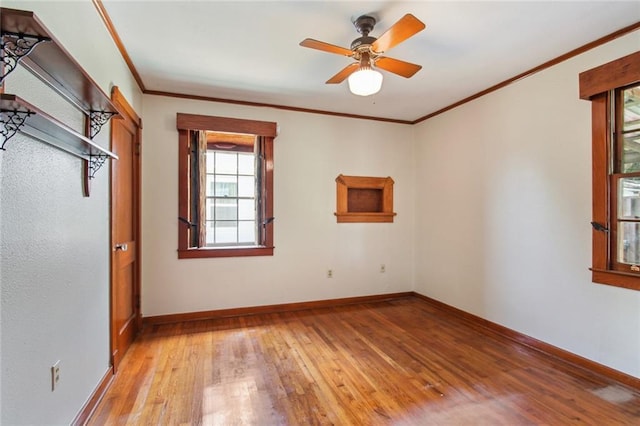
(479, 207)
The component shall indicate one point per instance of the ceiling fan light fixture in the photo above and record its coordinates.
(365, 82)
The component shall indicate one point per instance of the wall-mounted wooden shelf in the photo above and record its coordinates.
(20, 116)
(26, 41)
(364, 199)
(51, 63)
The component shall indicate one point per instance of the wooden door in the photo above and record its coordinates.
(125, 228)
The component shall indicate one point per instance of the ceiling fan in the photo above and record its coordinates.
(364, 80)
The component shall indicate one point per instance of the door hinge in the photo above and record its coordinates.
(136, 149)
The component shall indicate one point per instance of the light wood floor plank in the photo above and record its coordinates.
(399, 362)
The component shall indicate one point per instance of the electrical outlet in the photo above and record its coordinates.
(55, 375)
(383, 269)
(329, 273)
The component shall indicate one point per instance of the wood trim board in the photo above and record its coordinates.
(471, 319)
(479, 323)
(532, 71)
(268, 309)
(118, 41)
(530, 342)
(94, 399)
(112, 31)
(618, 73)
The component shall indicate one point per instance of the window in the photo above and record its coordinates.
(614, 91)
(231, 203)
(225, 187)
(625, 223)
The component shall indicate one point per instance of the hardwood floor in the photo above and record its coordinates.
(400, 362)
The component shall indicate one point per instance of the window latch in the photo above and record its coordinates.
(599, 227)
(268, 221)
(183, 220)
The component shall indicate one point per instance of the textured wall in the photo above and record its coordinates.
(55, 273)
(54, 252)
(504, 231)
(494, 196)
(310, 152)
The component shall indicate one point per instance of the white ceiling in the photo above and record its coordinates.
(248, 50)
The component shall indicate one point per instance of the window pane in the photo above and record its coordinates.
(630, 136)
(631, 152)
(226, 209)
(210, 233)
(226, 186)
(210, 212)
(226, 232)
(246, 164)
(247, 232)
(210, 188)
(246, 210)
(632, 109)
(629, 242)
(246, 186)
(226, 163)
(231, 175)
(629, 198)
(211, 160)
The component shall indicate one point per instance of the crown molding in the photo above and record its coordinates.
(123, 51)
(118, 41)
(575, 52)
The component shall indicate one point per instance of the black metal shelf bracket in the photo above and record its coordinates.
(14, 47)
(25, 41)
(96, 161)
(11, 121)
(99, 119)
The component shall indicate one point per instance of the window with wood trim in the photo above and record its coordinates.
(614, 91)
(225, 186)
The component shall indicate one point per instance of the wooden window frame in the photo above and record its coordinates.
(597, 85)
(266, 131)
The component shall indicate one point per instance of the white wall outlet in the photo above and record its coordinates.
(329, 273)
(383, 269)
(55, 375)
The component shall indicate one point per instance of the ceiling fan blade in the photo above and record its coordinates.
(396, 66)
(344, 73)
(406, 27)
(325, 47)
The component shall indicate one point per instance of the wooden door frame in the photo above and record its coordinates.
(129, 114)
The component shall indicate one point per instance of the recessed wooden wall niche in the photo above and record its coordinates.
(364, 199)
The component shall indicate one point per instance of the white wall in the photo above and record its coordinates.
(1, 239)
(54, 259)
(499, 207)
(310, 152)
(503, 231)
